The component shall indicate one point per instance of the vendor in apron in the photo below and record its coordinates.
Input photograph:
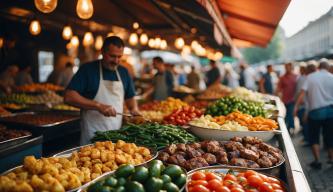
(100, 89)
(162, 84)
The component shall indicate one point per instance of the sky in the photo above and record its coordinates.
(300, 12)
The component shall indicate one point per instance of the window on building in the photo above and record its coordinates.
(45, 64)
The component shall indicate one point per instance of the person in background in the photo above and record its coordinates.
(163, 82)
(23, 77)
(66, 75)
(286, 90)
(182, 76)
(318, 87)
(266, 82)
(7, 79)
(302, 107)
(213, 76)
(101, 88)
(193, 79)
(231, 77)
(247, 77)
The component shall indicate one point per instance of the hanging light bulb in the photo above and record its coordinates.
(194, 44)
(75, 41)
(67, 32)
(151, 43)
(164, 44)
(218, 56)
(35, 27)
(179, 43)
(88, 39)
(99, 42)
(46, 6)
(84, 9)
(133, 39)
(69, 45)
(136, 25)
(1, 42)
(157, 42)
(144, 39)
(186, 50)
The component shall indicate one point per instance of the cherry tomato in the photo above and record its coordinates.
(248, 173)
(198, 182)
(237, 189)
(222, 189)
(214, 184)
(198, 176)
(210, 176)
(266, 187)
(199, 188)
(254, 180)
(242, 180)
(276, 186)
(273, 180)
(278, 190)
(252, 190)
(240, 175)
(230, 177)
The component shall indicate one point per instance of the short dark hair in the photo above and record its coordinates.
(112, 40)
(158, 59)
(69, 64)
(211, 61)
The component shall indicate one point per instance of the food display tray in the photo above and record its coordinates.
(14, 141)
(226, 169)
(223, 135)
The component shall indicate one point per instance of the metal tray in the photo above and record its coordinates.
(17, 124)
(225, 169)
(14, 141)
(221, 135)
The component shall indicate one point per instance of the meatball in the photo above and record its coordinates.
(210, 158)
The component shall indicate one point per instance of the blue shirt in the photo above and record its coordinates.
(86, 80)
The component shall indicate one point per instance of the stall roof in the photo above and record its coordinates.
(254, 21)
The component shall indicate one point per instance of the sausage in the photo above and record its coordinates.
(249, 154)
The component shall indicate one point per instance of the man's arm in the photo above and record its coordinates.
(72, 97)
(298, 102)
(132, 105)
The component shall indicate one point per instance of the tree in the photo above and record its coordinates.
(272, 51)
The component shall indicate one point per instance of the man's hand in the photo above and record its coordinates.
(106, 110)
(136, 112)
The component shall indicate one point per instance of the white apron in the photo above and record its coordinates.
(109, 93)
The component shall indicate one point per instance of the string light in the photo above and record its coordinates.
(67, 32)
(133, 39)
(99, 42)
(46, 6)
(179, 43)
(151, 43)
(144, 39)
(88, 39)
(35, 27)
(157, 42)
(164, 44)
(75, 41)
(136, 25)
(1, 42)
(84, 9)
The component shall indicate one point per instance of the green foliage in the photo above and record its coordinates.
(272, 51)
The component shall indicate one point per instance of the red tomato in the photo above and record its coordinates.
(278, 190)
(229, 183)
(266, 187)
(252, 190)
(276, 186)
(240, 175)
(254, 180)
(237, 189)
(199, 188)
(198, 176)
(210, 176)
(214, 184)
(273, 180)
(199, 182)
(248, 173)
(222, 189)
(263, 177)
(242, 180)
(230, 177)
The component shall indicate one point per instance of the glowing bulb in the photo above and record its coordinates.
(133, 39)
(157, 42)
(194, 44)
(75, 41)
(144, 39)
(110, 34)
(67, 32)
(136, 25)
(179, 43)
(151, 43)
(164, 44)
(88, 39)
(1, 42)
(35, 27)
(46, 6)
(84, 9)
(99, 42)
(186, 50)
(69, 45)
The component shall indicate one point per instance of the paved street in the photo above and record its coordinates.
(319, 180)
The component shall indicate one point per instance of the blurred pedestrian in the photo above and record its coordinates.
(213, 76)
(193, 79)
(287, 90)
(318, 87)
(247, 77)
(23, 77)
(231, 77)
(267, 80)
(66, 75)
(7, 79)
